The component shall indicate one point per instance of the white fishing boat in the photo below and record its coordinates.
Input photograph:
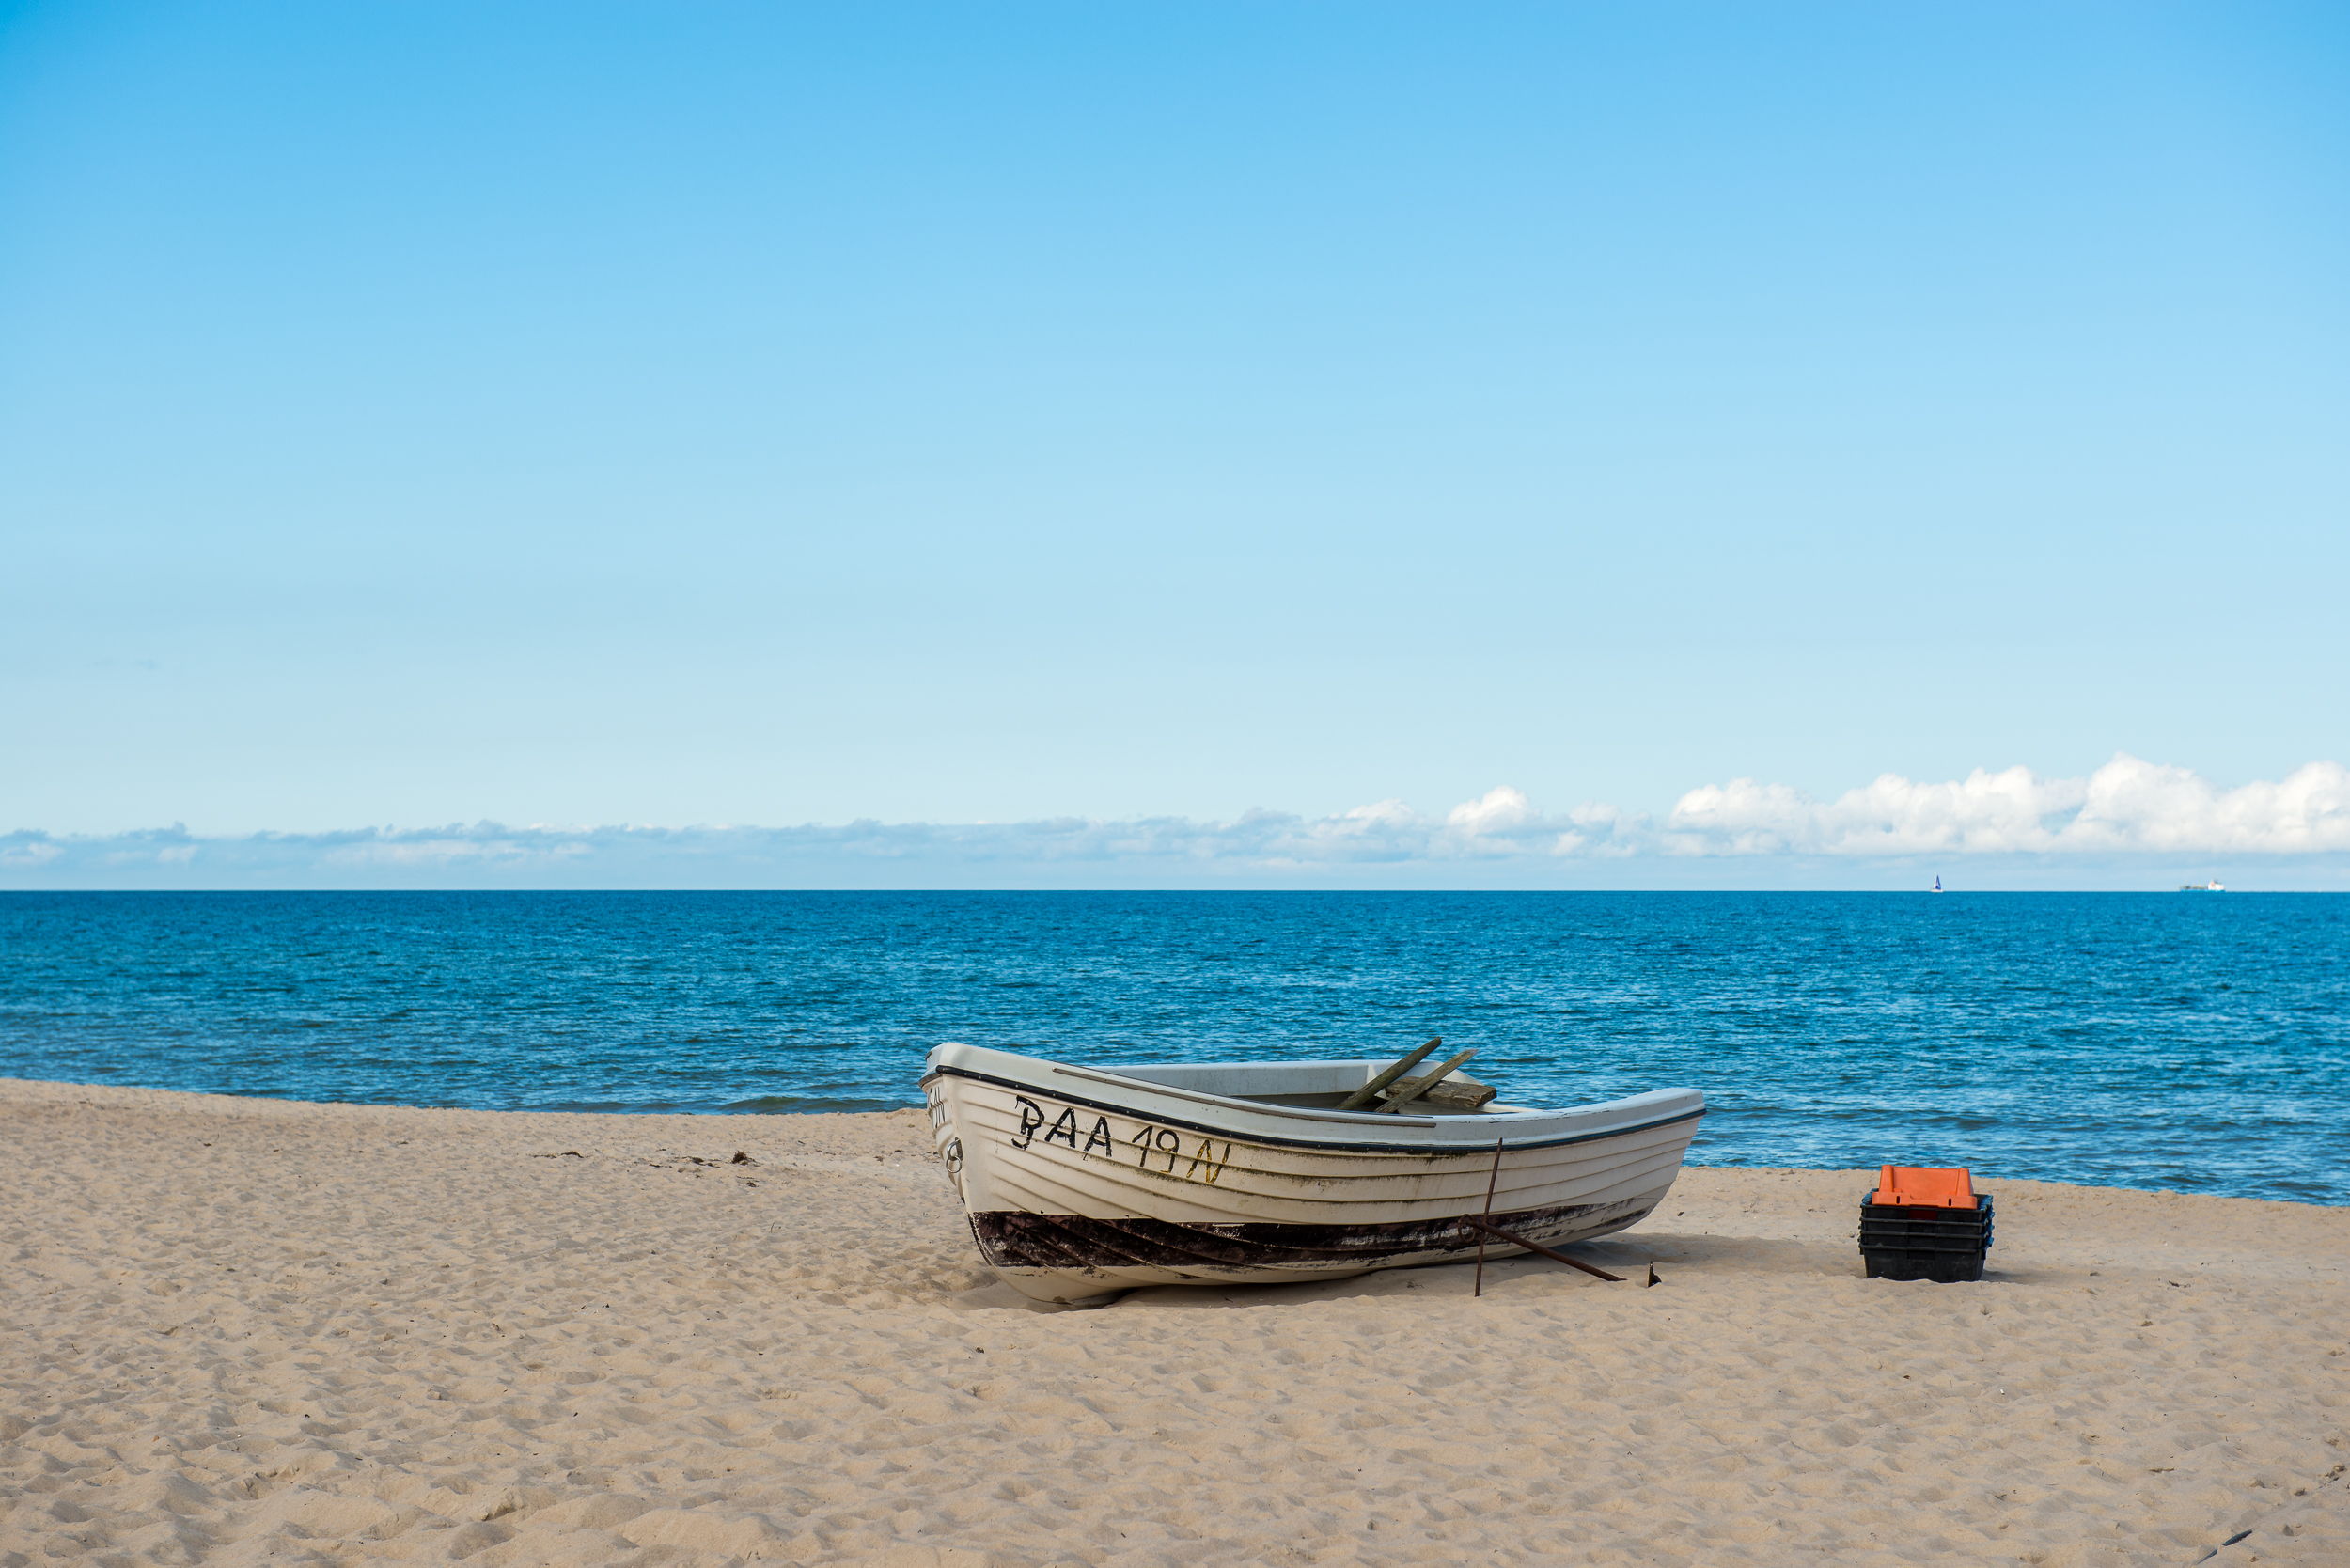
(1084, 1181)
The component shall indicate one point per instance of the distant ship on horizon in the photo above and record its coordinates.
(2211, 886)
(1937, 882)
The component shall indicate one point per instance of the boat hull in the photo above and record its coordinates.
(1083, 1183)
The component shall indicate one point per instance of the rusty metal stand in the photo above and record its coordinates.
(1490, 1182)
(1536, 1247)
(1485, 1227)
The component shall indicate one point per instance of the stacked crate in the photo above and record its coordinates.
(1922, 1224)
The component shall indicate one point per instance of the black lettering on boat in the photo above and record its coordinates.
(1100, 1134)
(1142, 1140)
(1065, 1129)
(1031, 1117)
(1204, 1157)
(1172, 1141)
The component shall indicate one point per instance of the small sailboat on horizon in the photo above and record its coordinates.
(1938, 882)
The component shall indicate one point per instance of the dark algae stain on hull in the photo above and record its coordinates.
(2133, 1040)
(1010, 1239)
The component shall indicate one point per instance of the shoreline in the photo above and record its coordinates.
(723, 1116)
(240, 1330)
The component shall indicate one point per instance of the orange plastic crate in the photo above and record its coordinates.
(1912, 1186)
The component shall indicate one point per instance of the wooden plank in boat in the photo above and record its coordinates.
(1459, 1091)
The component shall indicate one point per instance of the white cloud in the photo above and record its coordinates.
(2126, 806)
(1497, 812)
(2139, 804)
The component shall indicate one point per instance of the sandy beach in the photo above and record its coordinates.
(242, 1331)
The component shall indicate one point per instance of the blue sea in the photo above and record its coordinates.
(2194, 1041)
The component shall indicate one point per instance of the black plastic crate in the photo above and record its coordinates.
(1917, 1242)
(1943, 1268)
(1926, 1228)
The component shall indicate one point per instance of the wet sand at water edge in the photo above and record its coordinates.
(239, 1331)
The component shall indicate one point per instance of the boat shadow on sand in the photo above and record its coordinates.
(1686, 1259)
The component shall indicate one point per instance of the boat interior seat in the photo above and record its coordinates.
(1249, 1080)
(1310, 1085)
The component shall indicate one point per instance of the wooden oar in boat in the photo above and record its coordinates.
(1417, 1086)
(1369, 1092)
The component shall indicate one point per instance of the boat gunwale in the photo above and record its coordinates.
(1457, 1147)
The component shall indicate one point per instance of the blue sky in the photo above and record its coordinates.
(695, 415)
